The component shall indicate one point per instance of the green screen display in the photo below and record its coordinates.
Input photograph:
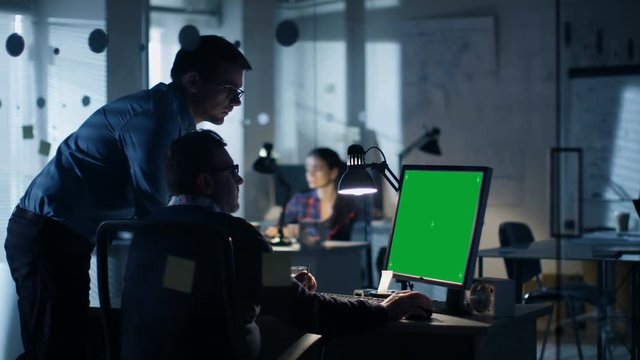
(434, 224)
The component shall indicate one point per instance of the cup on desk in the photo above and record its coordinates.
(293, 230)
(622, 221)
(297, 269)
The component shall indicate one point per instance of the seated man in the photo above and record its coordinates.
(204, 183)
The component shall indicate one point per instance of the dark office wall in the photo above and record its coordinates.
(258, 26)
(504, 118)
(127, 57)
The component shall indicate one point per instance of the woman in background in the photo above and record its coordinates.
(322, 204)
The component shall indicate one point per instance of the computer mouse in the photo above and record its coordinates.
(425, 316)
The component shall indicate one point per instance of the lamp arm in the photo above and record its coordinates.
(417, 142)
(395, 187)
(280, 179)
(383, 168)
(619, 190)
(386, 167)
(412, 146)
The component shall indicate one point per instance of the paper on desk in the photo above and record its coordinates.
(276, 269)
(385, 280)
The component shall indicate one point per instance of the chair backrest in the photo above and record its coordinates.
(107, 232)
(518, 234)
(178, 294)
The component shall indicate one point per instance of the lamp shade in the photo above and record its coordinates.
(356, 180)
(265, 163)
(431, 146)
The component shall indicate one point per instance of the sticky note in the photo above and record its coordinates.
(27, 131)
(44, 148)
(276, 269)
(178, 274)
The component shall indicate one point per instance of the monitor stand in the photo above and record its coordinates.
(405, 285)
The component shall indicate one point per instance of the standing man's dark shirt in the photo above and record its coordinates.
(113, 165)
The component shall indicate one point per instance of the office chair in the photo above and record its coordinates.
(178, 299)
(105, 235)
(518, 234)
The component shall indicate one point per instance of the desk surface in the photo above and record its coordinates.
(329, 245)
(601, 246)
(467, 325)
(446, 337)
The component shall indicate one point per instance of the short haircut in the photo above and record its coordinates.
(189, 156)
(212, 50)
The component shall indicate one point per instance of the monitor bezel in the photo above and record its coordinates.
(477, 228)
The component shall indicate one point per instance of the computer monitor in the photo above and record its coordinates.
(290, 179)
(438, 223)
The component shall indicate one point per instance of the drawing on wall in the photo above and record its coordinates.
(441, 58)
(446, 64)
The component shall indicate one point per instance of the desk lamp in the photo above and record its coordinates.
(357, 181)
(266, 162)
(427, 143)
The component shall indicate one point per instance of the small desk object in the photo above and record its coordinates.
(446, 337)
(606, 248)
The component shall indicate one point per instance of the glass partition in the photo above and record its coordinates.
(51, 81)
(599, 79)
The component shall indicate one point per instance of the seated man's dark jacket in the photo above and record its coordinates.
(248, 246)
(321, 314)
(308, 311)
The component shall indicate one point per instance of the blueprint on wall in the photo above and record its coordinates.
(447, 64)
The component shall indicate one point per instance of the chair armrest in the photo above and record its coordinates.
(300, 346)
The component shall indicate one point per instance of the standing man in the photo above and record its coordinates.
(111, 167)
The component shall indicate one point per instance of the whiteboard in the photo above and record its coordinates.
(604, 120)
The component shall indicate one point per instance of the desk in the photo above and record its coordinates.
(337, 265)
(444, 337)
(604, 247)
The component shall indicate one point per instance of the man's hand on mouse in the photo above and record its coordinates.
(407, 303)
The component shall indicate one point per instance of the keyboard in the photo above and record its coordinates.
(440, 307)
(353, 297)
